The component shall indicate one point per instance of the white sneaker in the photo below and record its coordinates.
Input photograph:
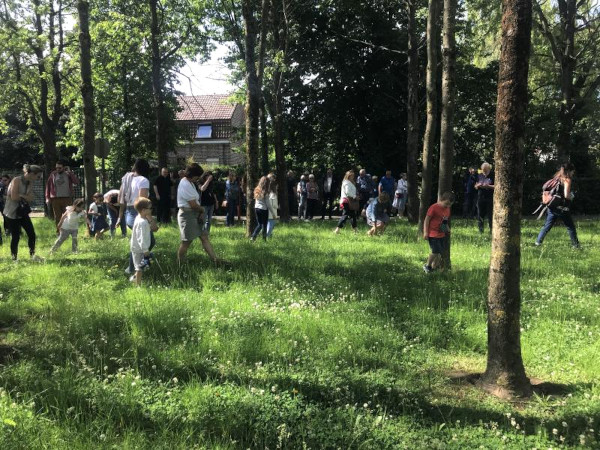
(127, 271)
(132, 278)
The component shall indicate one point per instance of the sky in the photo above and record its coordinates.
(206, 78)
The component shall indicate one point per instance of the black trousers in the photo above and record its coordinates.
(347, 213)
(14, 226)
(163, 210)
(262, 219)
(311, 207)
(485, 207)
(327, 204)
(469, 205)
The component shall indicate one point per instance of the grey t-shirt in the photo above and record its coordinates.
(61, 182)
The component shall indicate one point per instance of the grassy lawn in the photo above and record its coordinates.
(308, 341)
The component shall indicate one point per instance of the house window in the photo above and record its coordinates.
(204, 131)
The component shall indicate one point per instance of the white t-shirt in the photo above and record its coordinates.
(140, 235)
(71, 222)
(93, 208)
(402, 186)
(348, 190)
(137, 183)
(186, 192)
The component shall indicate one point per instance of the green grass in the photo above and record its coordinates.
(308, 341)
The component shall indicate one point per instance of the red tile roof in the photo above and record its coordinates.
(204, 107)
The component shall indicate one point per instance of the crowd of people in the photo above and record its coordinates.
(190, 195)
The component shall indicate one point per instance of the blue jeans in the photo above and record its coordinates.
(262, 217)
(208, 214)
(114, 216)
(231, 212)
(302, 207)
(553, 216)
(270, 225)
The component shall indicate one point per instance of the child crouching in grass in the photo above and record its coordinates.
(435, 230)
(69, 225)
(141, 238)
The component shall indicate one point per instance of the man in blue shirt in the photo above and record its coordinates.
(387, 184)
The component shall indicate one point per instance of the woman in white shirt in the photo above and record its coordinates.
(190, 215)
(400, 195)
(134, 184)
(348, 202)
(262, 206)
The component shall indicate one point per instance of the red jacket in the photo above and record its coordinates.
(51, 188)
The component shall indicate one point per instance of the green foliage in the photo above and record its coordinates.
(308, 341)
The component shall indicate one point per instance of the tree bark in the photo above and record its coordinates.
(264, 139)
(157, 86)
(432, 109)
(127, 137)
(568, 11)
(87, 93)
(505, 372)
(281, 40)
(252, 108)
(448, 104)
(412, 127)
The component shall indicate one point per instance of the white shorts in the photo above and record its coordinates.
(137, 260)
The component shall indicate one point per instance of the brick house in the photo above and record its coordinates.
(212, 127)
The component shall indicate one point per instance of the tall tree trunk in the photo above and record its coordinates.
(252, 108)
(448, 99)
(280, 149)
(127, 138)
(87, 93)
(279, 29)
(157, 86)
(505, 373)
(262, 50)
(412, 127)
(433, 32)
(264, 140)
(568, 11)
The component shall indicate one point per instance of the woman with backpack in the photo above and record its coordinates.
(559, 205)
(17, 209)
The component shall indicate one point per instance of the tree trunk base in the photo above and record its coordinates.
(499, 388)
(502, 386)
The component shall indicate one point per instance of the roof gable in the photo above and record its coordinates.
(204, 107)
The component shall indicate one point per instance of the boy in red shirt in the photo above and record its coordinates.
(436, 228)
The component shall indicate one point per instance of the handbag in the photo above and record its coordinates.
(353, 204)
(23, 209)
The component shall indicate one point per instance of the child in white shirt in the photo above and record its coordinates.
(141, 238)
(98, 213)
(273, 206)
(69, 225)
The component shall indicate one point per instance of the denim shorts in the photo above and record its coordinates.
(436, 245)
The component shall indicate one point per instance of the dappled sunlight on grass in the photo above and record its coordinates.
(310, 339)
